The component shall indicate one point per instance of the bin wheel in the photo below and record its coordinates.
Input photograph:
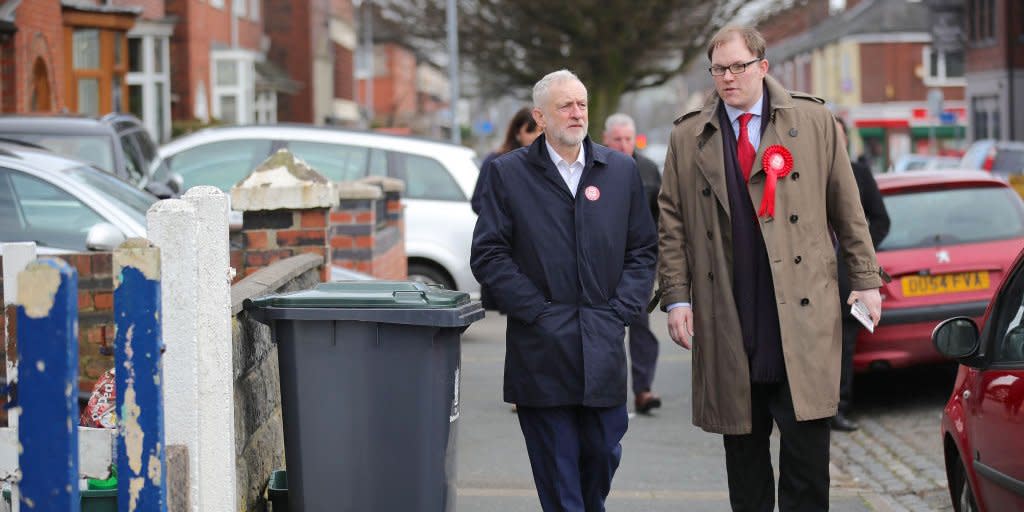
(429, 274)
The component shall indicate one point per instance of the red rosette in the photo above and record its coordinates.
(777, 162)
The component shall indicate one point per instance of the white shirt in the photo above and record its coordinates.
(571, 173)
(753, 134)
(753, 126)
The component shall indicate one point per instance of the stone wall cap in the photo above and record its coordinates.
(283, 182)
(386, 183)
(358, 190)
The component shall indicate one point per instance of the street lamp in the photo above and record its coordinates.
(453, 69)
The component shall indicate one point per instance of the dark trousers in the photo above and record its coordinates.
(851, 328)
(803, 458)
(643, 354)
(574, 452)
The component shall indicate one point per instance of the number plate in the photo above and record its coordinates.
(915, 286)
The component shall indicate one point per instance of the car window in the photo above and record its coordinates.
(378, 162)
(1008, 323)
(220, 164)
(953, 216)
(49, 216)
(130, 200)
(1008, 160)
(95, 149)
(425, 178)
(336, 162)
(133, 160)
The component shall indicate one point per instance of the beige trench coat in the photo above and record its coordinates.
(696, 256)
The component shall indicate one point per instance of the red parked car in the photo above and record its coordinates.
(983, 422)
(953, 237)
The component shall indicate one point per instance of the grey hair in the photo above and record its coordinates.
(540, 89)
(619, 119)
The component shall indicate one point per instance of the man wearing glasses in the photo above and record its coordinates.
(755, 184)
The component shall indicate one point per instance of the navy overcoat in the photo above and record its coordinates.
(571, 273)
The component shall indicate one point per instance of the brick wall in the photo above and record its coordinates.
(364, 231)
(95, 318)
(40, 36)
(899, 78)
(272, 235)
(293, 54)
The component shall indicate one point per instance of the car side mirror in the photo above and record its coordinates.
(161, 190)
(956, 338)
(103, 237)
(176, 182)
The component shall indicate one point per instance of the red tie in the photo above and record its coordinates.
(744, 150)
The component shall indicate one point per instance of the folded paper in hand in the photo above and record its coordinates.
(860, 312)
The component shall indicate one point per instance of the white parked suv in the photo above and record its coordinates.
(439, 180)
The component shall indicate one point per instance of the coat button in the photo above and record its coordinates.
(805, 301)
(795, 176)
(711, 276)
(797, 260)
(709, 235)
(793, 218)
(706, 191)
(792, 132)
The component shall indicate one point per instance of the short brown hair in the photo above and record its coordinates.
(753, 39)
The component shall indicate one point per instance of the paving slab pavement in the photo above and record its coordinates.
(668, 464)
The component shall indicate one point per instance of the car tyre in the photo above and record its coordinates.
(430, 274)
(965, 501)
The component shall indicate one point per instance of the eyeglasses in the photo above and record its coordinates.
(735, 69)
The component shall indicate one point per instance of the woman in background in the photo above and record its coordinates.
(522, 131)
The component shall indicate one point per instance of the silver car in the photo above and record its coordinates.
(439, 180)
(64, 205)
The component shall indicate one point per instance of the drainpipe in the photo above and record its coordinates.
(1011, 45)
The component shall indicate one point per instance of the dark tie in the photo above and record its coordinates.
(744, 149)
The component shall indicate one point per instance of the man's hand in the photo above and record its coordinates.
(870, 298)
(680, 326)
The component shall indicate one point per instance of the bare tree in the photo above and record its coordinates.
(615, 46)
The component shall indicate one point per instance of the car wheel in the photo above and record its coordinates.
(430, 274)
(965, 501)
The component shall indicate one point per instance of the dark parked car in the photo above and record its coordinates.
(116, 143)
(983, 422)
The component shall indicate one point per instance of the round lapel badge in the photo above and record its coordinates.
(592, 193)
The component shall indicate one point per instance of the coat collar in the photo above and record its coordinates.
(709, 156)
(780, 99)
(539, 159)
(537, 153)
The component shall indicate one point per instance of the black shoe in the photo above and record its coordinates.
(646, 401)
(843, 424)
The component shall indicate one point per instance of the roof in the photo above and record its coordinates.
(286, 130)
(77, 125)
(899, 182)
(867, 17)
(272, 77)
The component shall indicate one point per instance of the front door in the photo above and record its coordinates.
(995, 412)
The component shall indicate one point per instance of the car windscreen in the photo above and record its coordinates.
(132, 201)
(952, 216)
(94, 149)
(1009, 160)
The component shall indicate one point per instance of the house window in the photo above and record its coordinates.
(981, 20)
(985, 119)
(97, 70)
(266, 107)
(234, 83)
(148, 78)
(254, 10)
(217, 3)
(238, 7)
(943, 68)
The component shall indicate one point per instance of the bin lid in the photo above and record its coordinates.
(368, 294)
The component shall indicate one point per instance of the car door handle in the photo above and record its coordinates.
(966, 394)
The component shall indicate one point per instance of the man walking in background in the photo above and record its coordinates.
(620, 135)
